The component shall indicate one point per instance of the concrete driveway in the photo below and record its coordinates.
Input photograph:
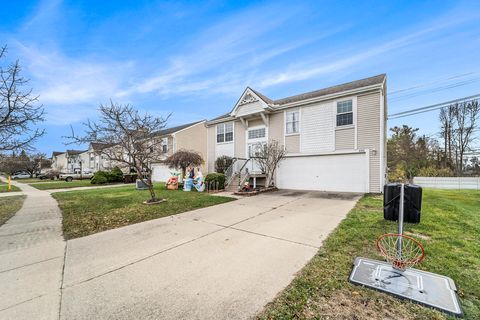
(221, 262)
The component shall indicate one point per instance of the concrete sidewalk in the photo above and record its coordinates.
(32, 252)
(220, 262)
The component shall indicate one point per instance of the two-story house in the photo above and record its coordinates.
(77, 161)
(334, 137)
(59, 161)
(96, 159)
(190, 136)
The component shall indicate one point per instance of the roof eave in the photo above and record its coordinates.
(329, 96)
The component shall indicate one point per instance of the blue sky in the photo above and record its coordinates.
(194, 59)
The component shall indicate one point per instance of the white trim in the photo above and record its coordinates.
(325, 153)
(328, 97)
(285, 122)
(336, 112)
(248, 90)
(233, 133)
(257, 140)
(382, 141)
(367, 169)
(264, 118)
(355, 122)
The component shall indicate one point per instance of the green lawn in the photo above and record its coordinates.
(450, 232)
(91, 211)
(4, 187)
(61, 184)
(9, 206)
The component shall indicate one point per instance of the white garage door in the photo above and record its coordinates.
(346, 173)
(160, 172)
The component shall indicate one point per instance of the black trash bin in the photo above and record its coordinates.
(412, 202)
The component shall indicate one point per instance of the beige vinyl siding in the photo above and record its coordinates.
(255, 123)
(368, 132)
(239, 139)
(193, 138)
(345, 139)
(275, 127)
(250, 108)
(292, 143)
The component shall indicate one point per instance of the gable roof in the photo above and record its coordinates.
(97, 146)
(57, 153)
(378, 79)
(357, 84)
(175, 129)
(75, 152)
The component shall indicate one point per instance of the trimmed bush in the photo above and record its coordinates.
(116, 175)
(222, 163)
(100, 177)
(218, 177)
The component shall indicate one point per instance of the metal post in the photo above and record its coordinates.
(400, 220)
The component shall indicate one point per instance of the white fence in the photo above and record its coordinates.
(448, 182)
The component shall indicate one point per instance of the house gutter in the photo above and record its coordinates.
(276, 107)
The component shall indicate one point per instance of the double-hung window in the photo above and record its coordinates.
(344, 113)
(164, 144)
(225, 132)
(292, 122)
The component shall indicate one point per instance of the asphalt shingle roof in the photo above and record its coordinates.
(97, 146)
(74, 152)
(175, 129)
(378, 79)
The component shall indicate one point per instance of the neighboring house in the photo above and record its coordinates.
(96, 159)
(335, 137)
(191, 136)
(77, 161)
(59, 161)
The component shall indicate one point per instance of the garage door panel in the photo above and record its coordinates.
(346, 173)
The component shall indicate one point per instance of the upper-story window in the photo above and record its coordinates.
(256, 133)
(344, 113)
(225, 132)
(164, 144)
(292, 122)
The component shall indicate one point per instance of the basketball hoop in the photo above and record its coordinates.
(400, 250)
(396, 277)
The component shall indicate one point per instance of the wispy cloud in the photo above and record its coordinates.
(216, 58)
(65, 84)
(312, 69)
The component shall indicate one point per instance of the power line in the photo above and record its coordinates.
(436, 89)
(433, 107)
(430, 83)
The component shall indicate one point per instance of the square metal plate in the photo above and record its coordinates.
(426, 288)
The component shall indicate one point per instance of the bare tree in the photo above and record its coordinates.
(10, 164)
(466, 117)
(19, 109)
(446, 121)
(132, 136)
(33, 163)
(183, 159)
(268, 156)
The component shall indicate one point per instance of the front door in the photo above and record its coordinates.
(256, 138)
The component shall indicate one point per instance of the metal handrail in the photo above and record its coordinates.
(232, 171)
(229, 172)
(242, 178)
